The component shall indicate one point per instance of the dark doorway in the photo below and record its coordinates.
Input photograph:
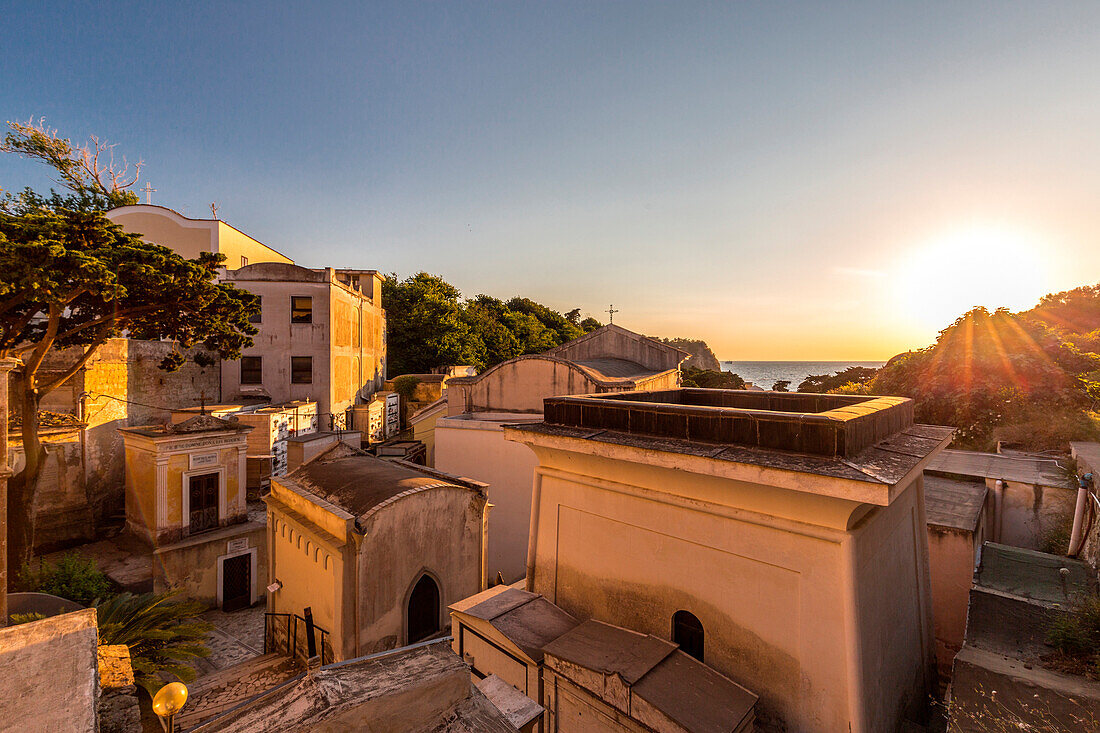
(237, 583)
(687, 631)
(423, 614)
(204, 503)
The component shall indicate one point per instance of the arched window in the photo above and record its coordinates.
(423, 611)
(687, 631)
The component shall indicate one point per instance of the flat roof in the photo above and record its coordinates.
(1087, 454)
(818, 424)
(953, 504)
(1021, 469)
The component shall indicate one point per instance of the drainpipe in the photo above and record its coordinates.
(998, 507)
(1076, 537)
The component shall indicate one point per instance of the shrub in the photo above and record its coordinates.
(74, 577)
(406, 386)
(1077, 634)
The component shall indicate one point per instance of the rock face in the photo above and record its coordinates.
(701, 355)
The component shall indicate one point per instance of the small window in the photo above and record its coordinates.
(301, 309)
(301, 370)
(244, 260)
(252, 370)
(687, 631)
(257, 317)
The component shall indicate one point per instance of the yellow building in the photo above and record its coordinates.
(375, 549)
(185, 495)
(779, 538)
(168, 228)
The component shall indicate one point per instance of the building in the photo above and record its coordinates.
(185, 496)
(1032, 496)
(958, 521)
(591, 676)
(469, 440)
(422, 423)
(418, 688)
(375, 549)
(778, 537)
(189, 237)
(272, 427)
(322, 338)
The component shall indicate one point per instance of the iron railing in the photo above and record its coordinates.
(288, 633)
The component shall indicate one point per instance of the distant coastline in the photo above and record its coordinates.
(766, 373)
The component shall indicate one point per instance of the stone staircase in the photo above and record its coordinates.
(221, 690)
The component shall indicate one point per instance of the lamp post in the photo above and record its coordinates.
(168, 701)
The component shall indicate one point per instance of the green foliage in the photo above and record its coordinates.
(694, 377)
(822, 383)
(405, 386)
(430, 325)
(73, 577)
(1005, 376)
(589, 324)
(782, 385)
(163, 635)
(1077, 634)
(26, 618)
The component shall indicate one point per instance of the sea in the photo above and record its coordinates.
(766, 373)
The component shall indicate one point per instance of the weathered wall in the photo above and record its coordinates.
(62, 513)
(894, 607)
(194, 564)
(477, 449)
(122, 385)
(48, 677)
(437, 531)
(1029, 511)
(118, 708)
(519, 385)
(620, 343)
(952, 555)
(791, 602)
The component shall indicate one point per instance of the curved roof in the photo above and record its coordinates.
(358, 482)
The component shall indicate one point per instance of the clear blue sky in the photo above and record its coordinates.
(785, 180)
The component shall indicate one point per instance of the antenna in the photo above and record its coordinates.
(148, 191)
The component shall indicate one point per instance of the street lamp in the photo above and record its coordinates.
(168, 701)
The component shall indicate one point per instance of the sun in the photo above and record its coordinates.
(992, 266)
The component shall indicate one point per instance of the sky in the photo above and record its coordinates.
(788, 181)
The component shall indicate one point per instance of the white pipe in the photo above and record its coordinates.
(1076, 540)
(532, 539)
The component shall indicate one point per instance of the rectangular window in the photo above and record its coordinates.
(252, 370)
(257, 317)
(244, 261)
(301, 370)
(301, 309)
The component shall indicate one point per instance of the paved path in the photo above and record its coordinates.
(237, 636)
(217, 692)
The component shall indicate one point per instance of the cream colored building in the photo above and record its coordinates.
(189, 237)
(469, 440)
(322, 337)
(376, 549)
(778, 537)
(185, 496)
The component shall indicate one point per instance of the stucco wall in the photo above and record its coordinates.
(437, 531)
(1030, 511)
(518, 386)
(194, 564)
(477, 449)
(951, 560)
(62, 513)
(769, 573)
(48, 674)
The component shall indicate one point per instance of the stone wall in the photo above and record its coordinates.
(48, 674)
(118, 703)
(122, 385)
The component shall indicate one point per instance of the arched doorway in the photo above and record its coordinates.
(422, 615)
(687, 631)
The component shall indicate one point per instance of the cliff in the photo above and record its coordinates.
(701, 355)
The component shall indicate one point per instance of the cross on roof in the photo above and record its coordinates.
(611, 311)
(149, 191)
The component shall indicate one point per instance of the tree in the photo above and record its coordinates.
(162, 634)
(426, 325)
(709, 379)
(783, 385)
(72, 278)
(590, 324)
(822, 383)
